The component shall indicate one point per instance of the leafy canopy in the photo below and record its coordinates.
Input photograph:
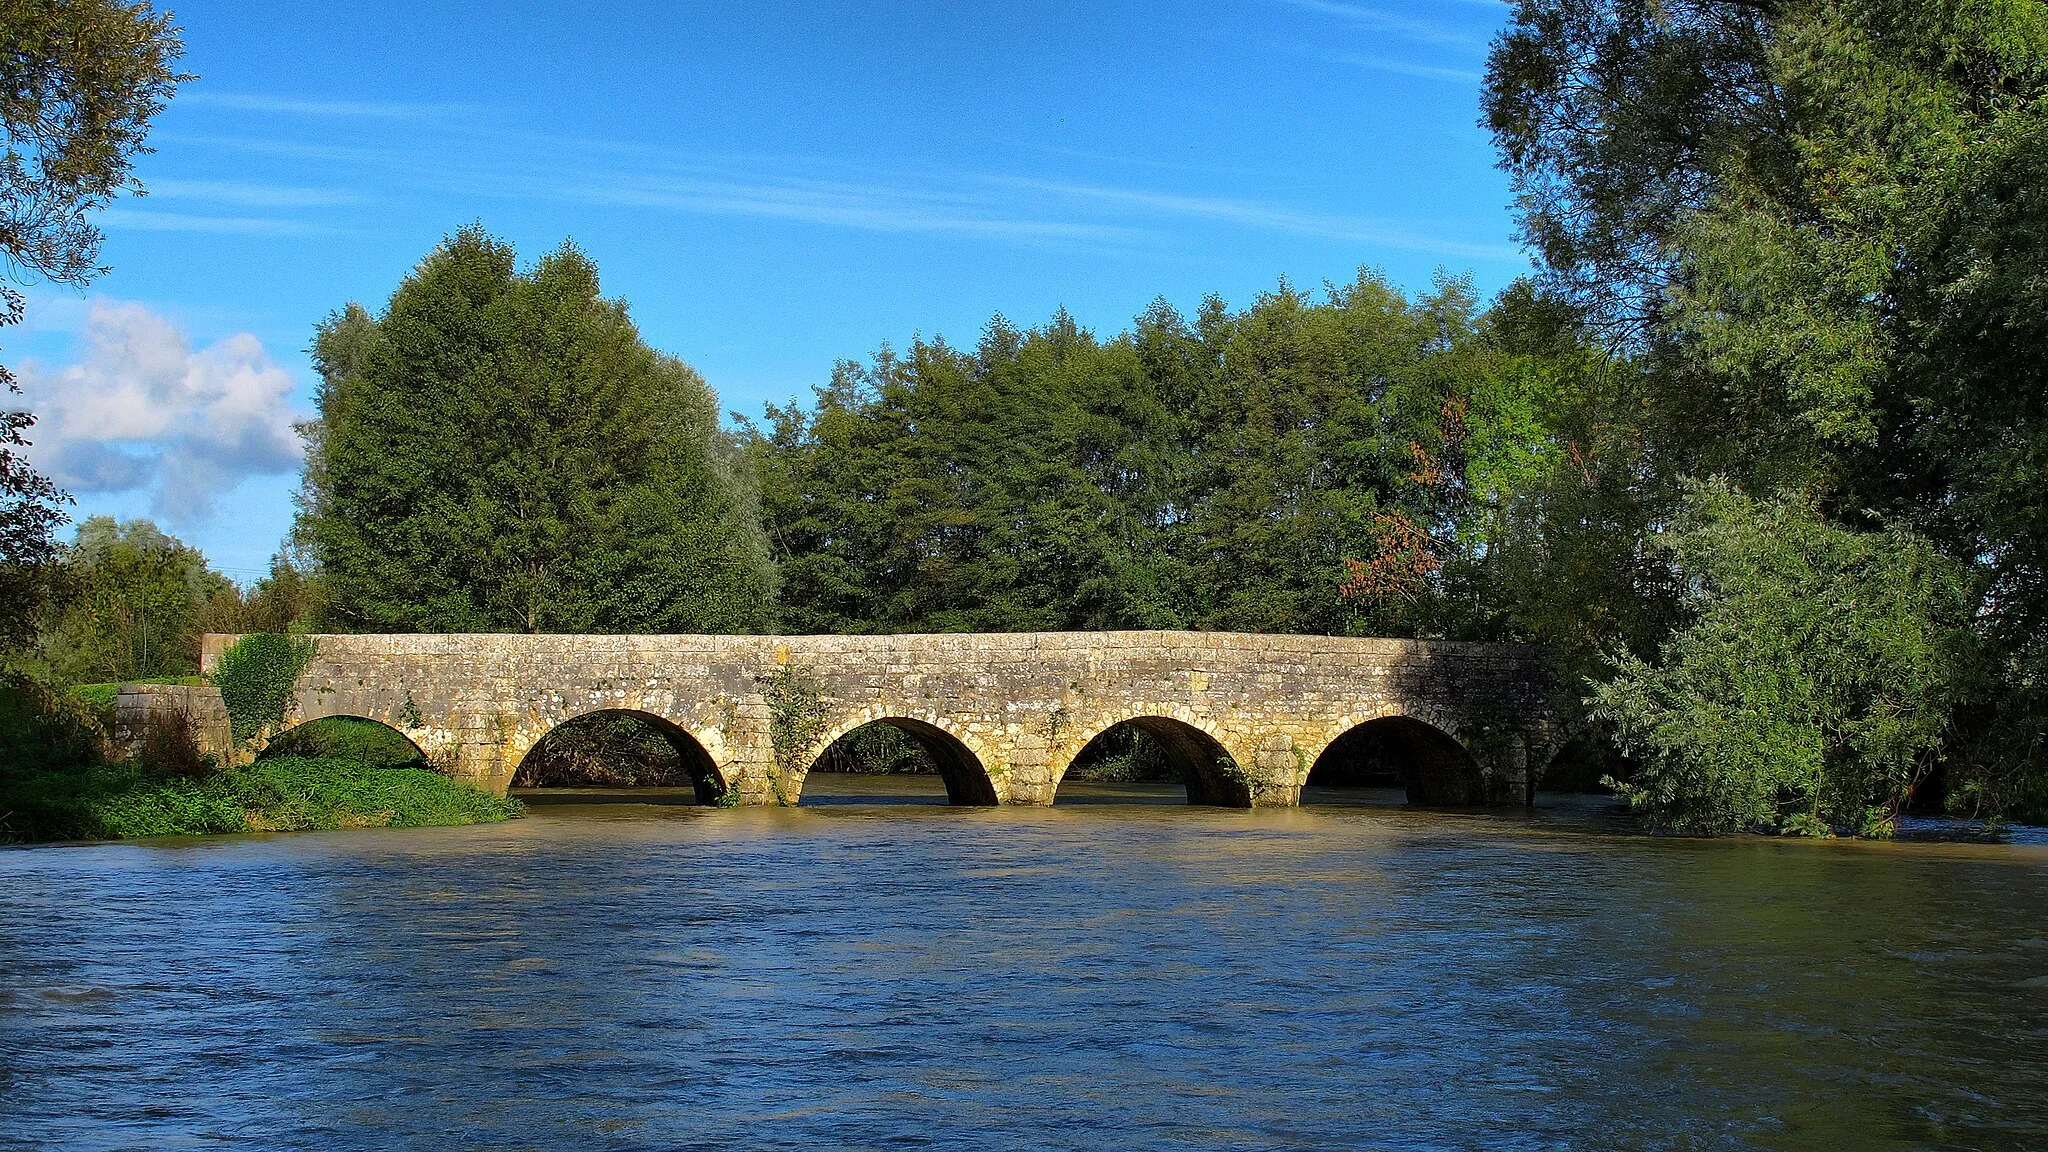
(1817, 230)
(1300, 465)
(132, 604)
(500, 450)
(1814, 685)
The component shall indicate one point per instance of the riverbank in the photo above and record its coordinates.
(277, 794)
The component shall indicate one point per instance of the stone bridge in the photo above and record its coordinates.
(1245, 718)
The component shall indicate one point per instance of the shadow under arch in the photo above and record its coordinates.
(1401, 751)
(621, 748)
(1212, 778)
(967, 781)
(357, 738)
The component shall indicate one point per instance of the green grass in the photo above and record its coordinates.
(100, 697)
(276, 794)
(347, 738)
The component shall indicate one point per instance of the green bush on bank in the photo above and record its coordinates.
(42, 730)
(276, 794)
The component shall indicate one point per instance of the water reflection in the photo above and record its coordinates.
(1126, 974)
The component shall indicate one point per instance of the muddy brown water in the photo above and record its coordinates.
(872, 971)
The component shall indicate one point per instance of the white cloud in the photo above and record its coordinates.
(250, 193)
(142, 409)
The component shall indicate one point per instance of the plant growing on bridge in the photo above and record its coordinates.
(796, 713)
(256, 677)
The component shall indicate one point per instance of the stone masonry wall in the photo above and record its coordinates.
(1023, 704)
(200, 708)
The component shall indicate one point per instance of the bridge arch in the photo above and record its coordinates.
(959, 757)
(1195, 748)
(1416, 752)
(542, 765)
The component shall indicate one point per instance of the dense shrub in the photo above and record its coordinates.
(606, 750)
(170, 748)
(877, 749)
(1124, 755)
(1813, 689)
(365, 742)
(41, 730)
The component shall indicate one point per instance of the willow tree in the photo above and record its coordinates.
(1819, 227)
(499, 450)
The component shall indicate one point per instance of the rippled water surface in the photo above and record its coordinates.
(1109, 975)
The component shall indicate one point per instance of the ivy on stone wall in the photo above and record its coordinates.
(256, 676)
(796, 713)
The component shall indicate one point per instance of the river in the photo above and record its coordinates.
(871, 973)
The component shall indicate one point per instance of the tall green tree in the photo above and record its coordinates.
(500, 450)
(80, 81)
(1816, 229)
(1004, 489)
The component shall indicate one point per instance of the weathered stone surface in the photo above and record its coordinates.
(1248, 714)
(201, 708)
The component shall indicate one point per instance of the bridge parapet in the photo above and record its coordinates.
(1246, 715)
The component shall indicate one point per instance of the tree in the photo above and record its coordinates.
(1017, 487)
(286, 600)
(80, 81)
(1236, 470)
(1616, 119)
(500, 450)
(1814, 685)
(1817, 229)
(131, 604)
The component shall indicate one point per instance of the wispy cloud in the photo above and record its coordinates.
(181, 222)
(293, 106)
(287, 149)
(1251, 213)
(869, 207)
(1380, 20)
(1012, 208)
(1402, 67)
(251, 195)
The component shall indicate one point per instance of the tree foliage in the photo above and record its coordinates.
(80, 81)
(1814, 685)
(1816, 230)
(1259, 470)
(500, 450)
(131, 604)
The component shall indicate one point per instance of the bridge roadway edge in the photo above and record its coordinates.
(1024, 704)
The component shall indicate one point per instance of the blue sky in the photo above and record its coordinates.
(772, 186)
